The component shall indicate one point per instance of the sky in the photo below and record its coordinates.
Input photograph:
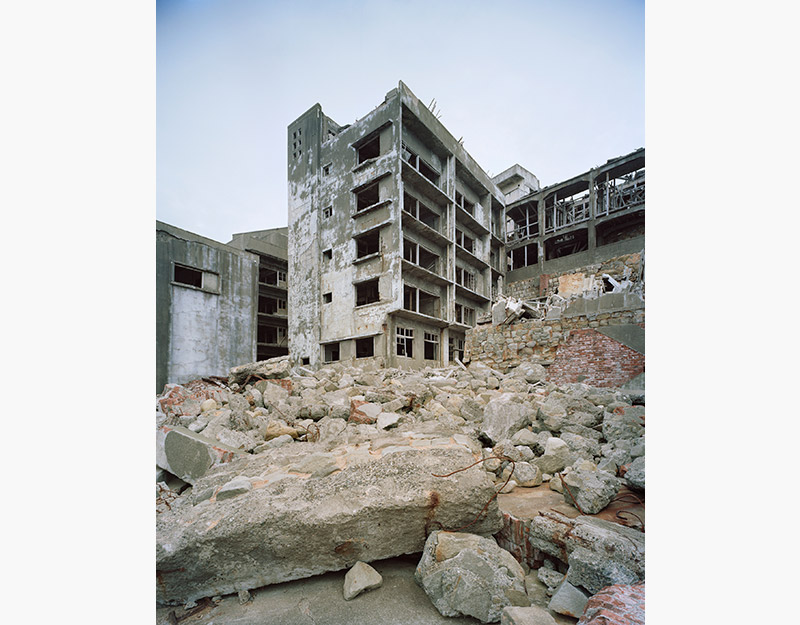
(557, 87)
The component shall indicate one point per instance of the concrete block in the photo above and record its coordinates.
(533, 615)
(189, 455)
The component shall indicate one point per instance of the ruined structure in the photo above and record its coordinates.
(399, 243)
(395, 237)
(271, 248)
(217, 304)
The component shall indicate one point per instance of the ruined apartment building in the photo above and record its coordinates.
(396, 240)
(218, 305)
(575, 227)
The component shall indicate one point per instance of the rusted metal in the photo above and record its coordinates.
(564, 484)
(486, 506)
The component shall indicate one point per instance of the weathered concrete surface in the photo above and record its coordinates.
(533, 615)
(465, 574)
(291, 525)
(279, 367)
(188, 455)
(399, 601)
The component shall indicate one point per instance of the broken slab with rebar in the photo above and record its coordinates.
(372, 504)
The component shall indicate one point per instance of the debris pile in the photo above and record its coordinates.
(281, 473)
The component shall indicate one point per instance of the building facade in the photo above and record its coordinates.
(271, 248)
(396, 237)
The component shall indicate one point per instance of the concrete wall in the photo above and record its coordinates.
(202, 331)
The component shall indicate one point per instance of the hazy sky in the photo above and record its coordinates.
(557, 87)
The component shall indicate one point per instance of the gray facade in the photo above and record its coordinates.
(206, 295)
(395, 237)
(271, 248)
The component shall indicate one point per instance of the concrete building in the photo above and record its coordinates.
(218, 305)
(583, 221)
(271, 310)
(396, 237)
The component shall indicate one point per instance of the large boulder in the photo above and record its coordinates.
(280, 367)
(467, 574)
(504, 416)
(635, 473)
(291, 525)
(188, 455)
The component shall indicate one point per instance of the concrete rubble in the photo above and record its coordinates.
(285, 473)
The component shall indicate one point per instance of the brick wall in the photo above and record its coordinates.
(615, 605)
(595, 359)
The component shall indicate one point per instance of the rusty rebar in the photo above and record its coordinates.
(564, 484)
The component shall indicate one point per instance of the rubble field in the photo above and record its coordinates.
(520, 500)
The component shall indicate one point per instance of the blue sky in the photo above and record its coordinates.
(557, 87)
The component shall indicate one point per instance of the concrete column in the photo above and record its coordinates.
(592, 242)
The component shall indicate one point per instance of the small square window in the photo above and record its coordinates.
(332, 352)
(326, 170)
(327, 256)
(367, 292)
(327, 298)
(327, 212)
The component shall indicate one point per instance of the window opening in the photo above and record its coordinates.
(367, 197)
(405, 342)
(367, 292)
(371, 149)
(367, 244)
(365, 347)
(332, 352)
(327, 298)
(430, 346)
(327, 212)
(189, 276)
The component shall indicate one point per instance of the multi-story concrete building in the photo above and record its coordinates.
(396, 237)
(218, 305)
(271, 311)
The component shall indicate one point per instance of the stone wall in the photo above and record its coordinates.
(569, 346)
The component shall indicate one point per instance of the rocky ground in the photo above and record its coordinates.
(281, 473)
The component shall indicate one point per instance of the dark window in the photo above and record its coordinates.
(327, 212)
(327, 298)
(332, 352)
(326, 170)
(431, 346)
(367, 197)
(305, 361)
(367, 244)
(371, 149)
(367, 292)
(365, 347)
(187, 275)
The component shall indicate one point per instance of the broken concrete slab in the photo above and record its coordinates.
(360, 578)
(280, 367)
(532, 615)
(466, 574)
(589, 489)
(290, 526)
(635, 473)
(504, 416)
(188, 455)
(594, 571)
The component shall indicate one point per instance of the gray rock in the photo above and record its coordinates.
(592, 490)
(533, 615)
(527, 475)
(568, 600)
(188, 455)
(317, 464)
(594, 571)
(466, 574)
(557, 455)
(295, 527)
(583, 447)
(280, 367)
(550, 578)
(525, 437)
(553, 414)
(623, 426)
(503, 417)
(360, 578)
(526, 452)
(635, 473)
(387, 420)
(234, 488)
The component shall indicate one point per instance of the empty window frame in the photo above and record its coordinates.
(271, 335)
(566, 244)
(465, 278)
(366, 197)
(327, 212)
(465, 315)
(465, 204)
(465, 241)
(272, 305)
(456, 348)
(430, 346)
(365, 348)
(414, 207)
(413, 159)
(415, 253)
(405, 342)
(367, 244)
(369, 150)
(525, 256)
(367, 292)
(331, 352)
(188, 276)
(297, 143)
(419, 301)
(327, 256)
(326, 170)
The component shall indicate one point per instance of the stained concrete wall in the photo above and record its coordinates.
(202, 331)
